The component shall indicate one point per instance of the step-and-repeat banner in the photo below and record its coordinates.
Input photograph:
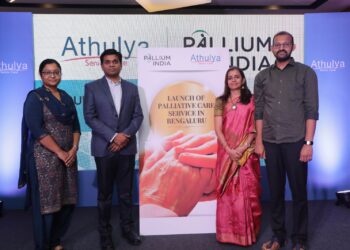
(16, 80)
(327, 52)
(178, 144)
(76, 41)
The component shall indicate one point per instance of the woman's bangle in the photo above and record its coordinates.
(76, 147)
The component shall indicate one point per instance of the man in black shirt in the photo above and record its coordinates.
(286, 110)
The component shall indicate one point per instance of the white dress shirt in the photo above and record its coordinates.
(116, 91)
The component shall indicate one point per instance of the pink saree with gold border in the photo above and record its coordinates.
(238, 211)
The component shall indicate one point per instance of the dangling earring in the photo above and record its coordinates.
(242, 86)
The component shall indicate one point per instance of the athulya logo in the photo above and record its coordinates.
(84, 48)
(241, 49)
(12, 67)
(327, 65)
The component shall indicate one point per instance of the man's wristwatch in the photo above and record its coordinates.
(308, 143)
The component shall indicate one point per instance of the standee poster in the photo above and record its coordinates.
(178, 87)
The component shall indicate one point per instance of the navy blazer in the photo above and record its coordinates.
(101, 116)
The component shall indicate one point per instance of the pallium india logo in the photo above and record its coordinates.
(13, 67)
(158, 60)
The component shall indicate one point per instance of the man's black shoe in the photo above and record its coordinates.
(109, 247)
(107, 243)
(132, 237)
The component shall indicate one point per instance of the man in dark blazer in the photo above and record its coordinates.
(113, 112)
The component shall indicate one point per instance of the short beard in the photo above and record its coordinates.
(283, 59)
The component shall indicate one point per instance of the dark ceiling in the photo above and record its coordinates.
(216, 7)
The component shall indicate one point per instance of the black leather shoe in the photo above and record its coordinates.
(132, 237)
(107, 243)
(108, 247)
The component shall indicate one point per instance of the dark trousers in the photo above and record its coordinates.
(282, 159)
(48, 228)
(117, 169)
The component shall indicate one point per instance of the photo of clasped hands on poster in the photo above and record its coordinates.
(178, 144)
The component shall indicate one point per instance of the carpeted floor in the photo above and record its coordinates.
(329, 228)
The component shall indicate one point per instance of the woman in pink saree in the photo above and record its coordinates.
(238, 211)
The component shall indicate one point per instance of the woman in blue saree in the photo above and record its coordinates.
(50, 138)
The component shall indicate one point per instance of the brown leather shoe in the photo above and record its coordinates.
(271, 245)
(58, 247)
(299, 246)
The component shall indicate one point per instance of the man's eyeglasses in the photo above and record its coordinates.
(280, 45)
(51, 73)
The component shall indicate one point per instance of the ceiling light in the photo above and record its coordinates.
(273, 7)
(159, 5)
(48, 5)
